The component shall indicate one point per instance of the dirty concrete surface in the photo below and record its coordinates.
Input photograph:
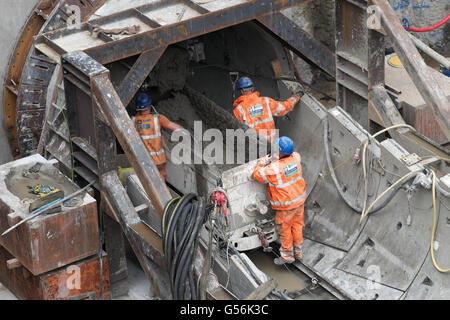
(5, 294)
(289, 279)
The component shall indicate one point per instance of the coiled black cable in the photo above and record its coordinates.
(181, 222)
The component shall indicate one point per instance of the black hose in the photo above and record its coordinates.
(379, 206)
(184, 252)
(181, 223)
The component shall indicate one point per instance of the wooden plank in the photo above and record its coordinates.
(46, 200)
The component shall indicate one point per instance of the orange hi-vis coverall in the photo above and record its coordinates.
(258, 112)
(287, 192)
(149, 127)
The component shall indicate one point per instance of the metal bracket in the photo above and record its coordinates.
(410, 159)
(374, 19)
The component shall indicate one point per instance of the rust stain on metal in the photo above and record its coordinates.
(39, 252)
(281, 2)
(59, 284)
(183, 30)
(20, 57)
(13, 78)
(46, 6)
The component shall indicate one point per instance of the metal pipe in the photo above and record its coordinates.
(430, 52)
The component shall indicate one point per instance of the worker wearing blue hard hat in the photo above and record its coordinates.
(287, 194)
(149, 127)
(258, 112)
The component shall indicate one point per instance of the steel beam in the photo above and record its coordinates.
(115, 197)
(415, 66)
(352, 59)
(195, 6)
(138, 73)
(300, 41)
(123, 128)
(386, 109)
(176, 32)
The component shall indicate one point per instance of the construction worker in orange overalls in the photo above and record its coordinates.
(287, 192)
(258, 112)
(149, 126)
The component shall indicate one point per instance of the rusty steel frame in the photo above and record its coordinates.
(124, 129)
(415, 66)
(14, 73)
(360, 74)
(300, 41)
(111, 121)
(165, 35)
(48, 15)
(138, 73)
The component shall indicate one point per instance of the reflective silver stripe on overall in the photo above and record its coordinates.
(158, 133)
(239, 107)
(282, 185)
(289, 253)
(286, 203)
(277, 172)
(279, 109)
(263, 175)
(151, 137)
(287, 184)
(260, 122)
(157, 153)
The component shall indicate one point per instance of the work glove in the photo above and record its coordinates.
(264, 160)
(300, 93)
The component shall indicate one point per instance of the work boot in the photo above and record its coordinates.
(298, 254)
(281, 261)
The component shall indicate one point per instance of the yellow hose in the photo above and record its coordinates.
(434, 226)
(365, 212)
(365, 144)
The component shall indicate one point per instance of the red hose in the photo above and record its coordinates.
(437, 25)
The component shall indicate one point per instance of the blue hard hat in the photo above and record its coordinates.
(244, 83)
(143, 102)
(285, 145)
